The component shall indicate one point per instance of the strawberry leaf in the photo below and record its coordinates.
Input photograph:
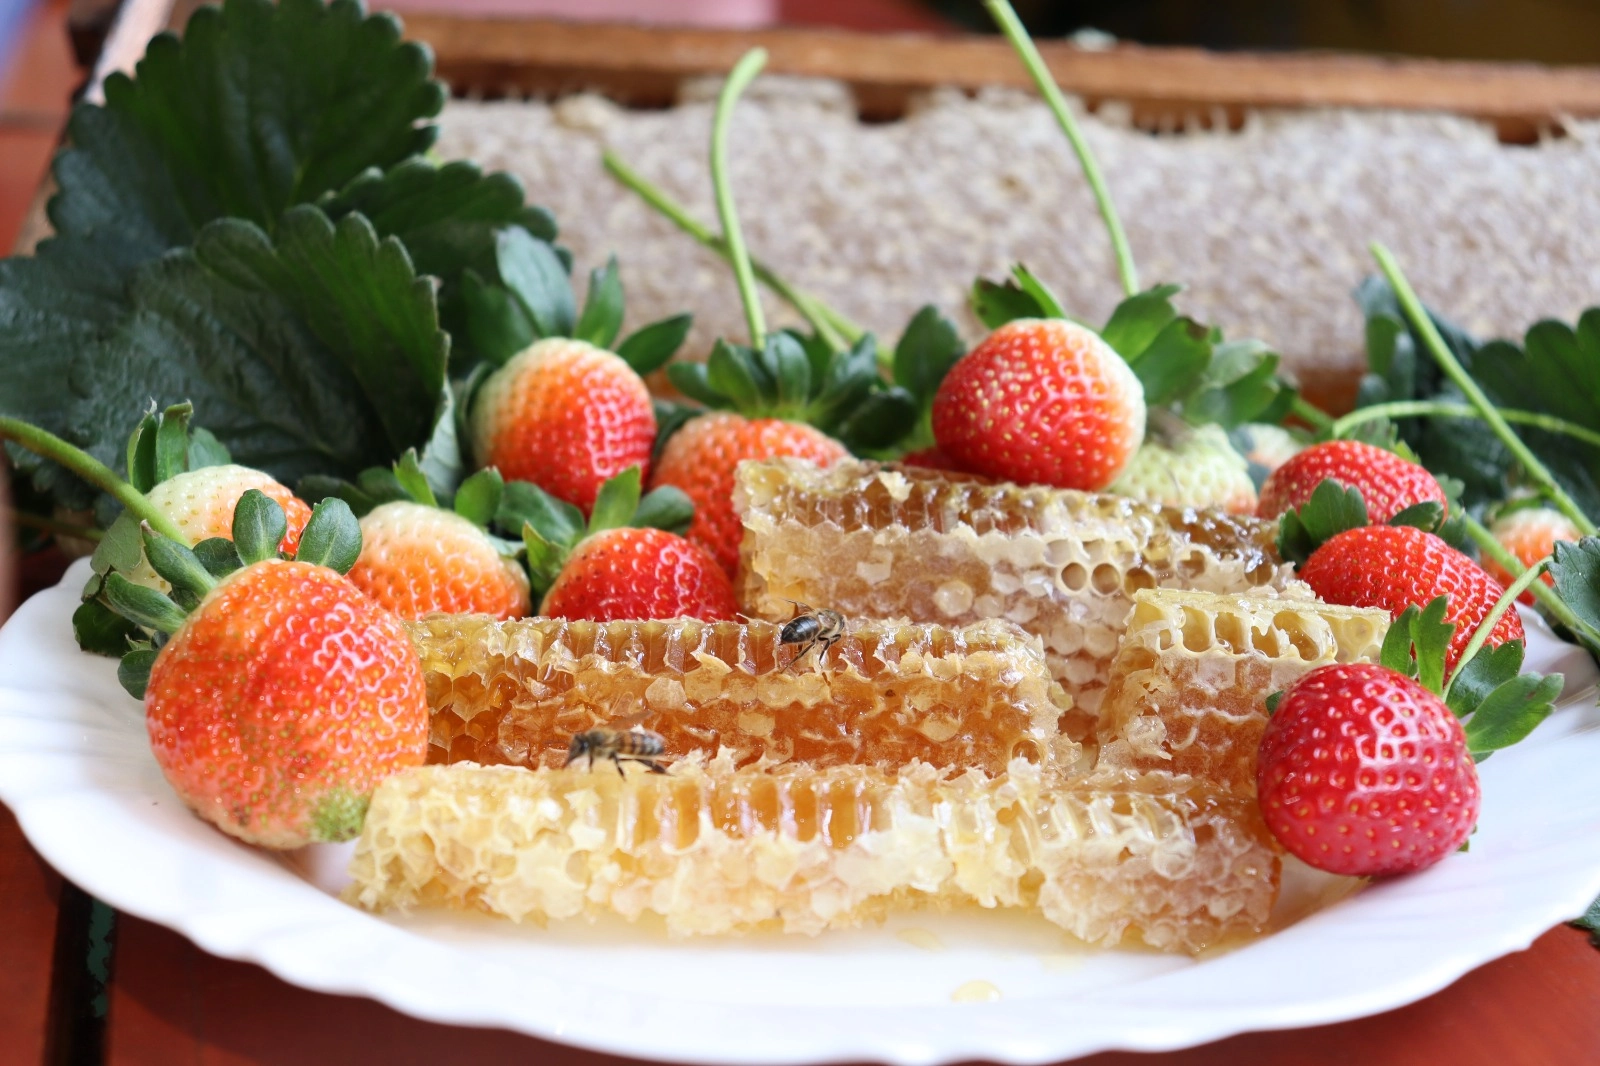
(650, 347)
(1139, 319)
(544, 558)
(1417, 642)
(1425, 516)
(670, 417)
(601, 319)
(616, 502)
(1591, 922)
(478, 498)
(133, 672)
(1240, 385)
(1049, 305)
(490, 320)
(1396, 653)
(786, 362)
(995, 303)
(331, 538)
(177, 565)
(732, 372)
(537, 277)
(665, 508)
(525, 505)
(142, 606)
(1511, 712)
(1171, 365)
(259, 526)
(408, 472)
(1331, 510)
(1486, 671)
(1576, 573)
(101, 631)
(218, 555)
(1272, 701)
(928, 348)
(142, 454)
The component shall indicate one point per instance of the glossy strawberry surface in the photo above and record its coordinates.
(1364, 772)
(566, 416)
(1529, 535)
(1388, 483)
(417, 559)
(640, 573)
(701, 458)
(1394, 567)
(282, 701)
(1041, 401)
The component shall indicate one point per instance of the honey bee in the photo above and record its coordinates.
(631, 742)
(810, 627)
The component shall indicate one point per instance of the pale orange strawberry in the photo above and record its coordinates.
(201, 502)
(417, 559)
(566, 416)
(1530, 534)
(1041, 400)
(701, 458)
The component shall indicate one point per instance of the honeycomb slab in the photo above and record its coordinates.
(515, 692)
(881, 541)
(1168, 862)
(1190, 680)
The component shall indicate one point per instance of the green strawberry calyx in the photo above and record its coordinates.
(1334, 508)
(551, 528)
(331, 538)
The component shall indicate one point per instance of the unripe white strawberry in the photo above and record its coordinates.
(201, 502)
(1269, 446)
(1190, 467)
(417, 559)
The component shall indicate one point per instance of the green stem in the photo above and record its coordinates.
(1547, 597)
(1311, 414)
(1423, 324)
(92, 470)
(1506, 601)
(1012, 27)
(1414, 408)
(839, 332)
(744, 72)
(29, 520)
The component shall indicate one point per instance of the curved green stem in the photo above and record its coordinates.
(744, 72)
(29, 520)
(1423, 324)
(92, 470)
(1506, 601)
(1547, 597)
(1414, 408)
(1311, 414)
(1012, 27)
(839, 332)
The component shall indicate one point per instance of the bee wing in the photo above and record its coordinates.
(628, 721)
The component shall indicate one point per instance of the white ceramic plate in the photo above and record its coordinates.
(76, 769)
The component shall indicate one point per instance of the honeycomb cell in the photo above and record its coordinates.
(1169, 862)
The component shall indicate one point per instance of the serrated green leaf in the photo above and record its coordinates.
(1138, 320)
(1430, 640)
(260, 106)
(1575, 569)
(534, 273)
(616, 502)
(331, 538)
(176, 564)
(1240, 385)
(995, 304)
(491, 319)
(133, 672)
(172, 442)
(1172, 363)
(601, 320)
(1426, 516)
(731, 374)
(1331, 510)
(1511, 712)
(142, 606)
(408, 472)
(258, 526)
(121, 548)
(928, 348)
(206, 450)
(101, 631)
(1493, 666)
(523, 503)
(1049, 305)
(1396, 653)
(665, 508)
(879, 421)
(478, 499)
(651, 347)
(218, 555)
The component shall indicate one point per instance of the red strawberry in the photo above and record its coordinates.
(201, 502)
(1530, 534)
(417, 559)
(640, 573)
(700, 460)
(566, 416)
(286, 695)
(1388, 483)
(1395, 567)
(1364, 772)
(1041, 400)
(931, 458)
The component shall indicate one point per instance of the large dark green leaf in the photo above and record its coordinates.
(318, 352)
(259, 107)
